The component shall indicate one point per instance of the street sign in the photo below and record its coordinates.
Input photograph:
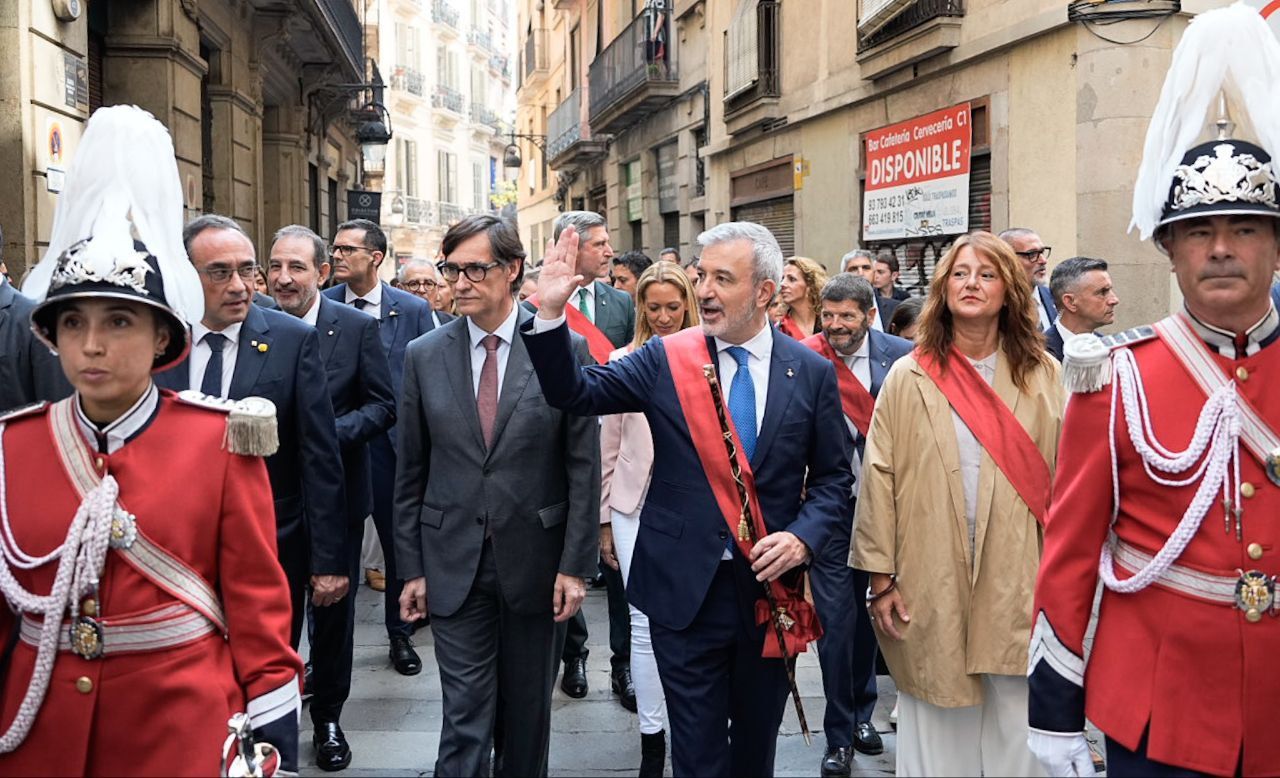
(364, 205)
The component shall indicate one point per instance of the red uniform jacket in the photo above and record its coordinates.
(1197, 677)
(161, 712)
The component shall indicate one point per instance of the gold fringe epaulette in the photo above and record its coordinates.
(251, 422)
(1086, 363)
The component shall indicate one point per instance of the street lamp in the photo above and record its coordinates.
(373, 137)
(511, 156)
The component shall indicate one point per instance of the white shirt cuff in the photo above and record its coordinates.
(541, 325)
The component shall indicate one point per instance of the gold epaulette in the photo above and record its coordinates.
(1086, 363)
(251, 422)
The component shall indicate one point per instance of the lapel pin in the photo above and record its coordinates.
(253, 343)
(791, 373)
(393, 312)
(262, 348)
(330, 332)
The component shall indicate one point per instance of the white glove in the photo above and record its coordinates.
(1062, 754)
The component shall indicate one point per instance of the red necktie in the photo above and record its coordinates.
(487, 397)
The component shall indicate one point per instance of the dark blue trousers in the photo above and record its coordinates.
(724, 701)
(333, 641)
(1122, 763)
(383, 457)
(847, 649)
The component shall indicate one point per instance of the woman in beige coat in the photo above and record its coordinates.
(950, 535)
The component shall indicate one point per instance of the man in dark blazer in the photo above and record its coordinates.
(497, 509)
(847, 650)
(860, 263)
(1086, 301)
(359, 247)
(359, 386)
(29, 371)
(1034, 255)
(273, 355)
(688, 574)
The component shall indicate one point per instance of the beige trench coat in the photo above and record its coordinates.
(910, 522)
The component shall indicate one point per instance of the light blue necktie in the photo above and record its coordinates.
(742, 401)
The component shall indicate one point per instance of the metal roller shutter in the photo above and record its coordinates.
(779, 216)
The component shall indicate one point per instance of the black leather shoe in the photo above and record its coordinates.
(308, 689)
(837, 763)
(332, 751)
(653, 754)
(574, 682)
(624, 688)
(403, 658)
(866, 740)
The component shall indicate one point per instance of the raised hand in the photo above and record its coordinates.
(559, 277)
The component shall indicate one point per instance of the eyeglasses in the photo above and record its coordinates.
(474, 273)
(417, 286)
(221, 274)
(1033, 254)
(346, 251)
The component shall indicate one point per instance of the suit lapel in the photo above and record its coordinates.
(519, 370)
(878, 361)
(327, 328)
(781, 375)
(390, 321)
(458, 370)
(604, 310)
(251, 355)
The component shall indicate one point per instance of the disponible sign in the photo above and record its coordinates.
(918, 177)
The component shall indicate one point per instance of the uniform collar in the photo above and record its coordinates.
(131, 423)
(1224, 341)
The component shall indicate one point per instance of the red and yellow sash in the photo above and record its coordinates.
(855, 400)
(996, 428)
(687, 354)
(599, 345)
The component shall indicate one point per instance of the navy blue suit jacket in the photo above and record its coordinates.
(1046, 297)
(306, 474)
(1053, 342)
(360, 387)
(404, 317)
(801, 461)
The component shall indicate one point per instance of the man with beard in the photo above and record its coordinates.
(696, 571)
(1034, 256)
(847, 651)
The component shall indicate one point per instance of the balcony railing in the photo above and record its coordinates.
(409, 80)
(499, 64)
(348, 29)
(916, 14)
(564, 125)
(624, 76)
(444, 13)
(480, 37)
(482, 114)
(448, 98)
(449, 213)
(535, 53)
(416, 210)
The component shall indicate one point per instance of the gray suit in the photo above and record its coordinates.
(29, 372)
(490, 529)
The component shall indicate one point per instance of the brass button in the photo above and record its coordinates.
(1253, 615)
(100, 462)
(1255, 551)
(1247, 489)
(1242, 374)
(90, 606)
(84, 685)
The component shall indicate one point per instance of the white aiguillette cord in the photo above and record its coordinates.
(82, 556)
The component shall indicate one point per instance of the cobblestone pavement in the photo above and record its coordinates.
(393, 722)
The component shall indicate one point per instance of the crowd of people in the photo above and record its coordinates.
(753, 457)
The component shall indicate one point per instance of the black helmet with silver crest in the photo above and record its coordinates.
(117, 231)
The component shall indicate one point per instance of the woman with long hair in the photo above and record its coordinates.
(665, 304)
(802, 282)
(955, 487)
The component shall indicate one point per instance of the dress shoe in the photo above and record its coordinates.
(624, 688)
(574, 682)
(332, 751)
(653, 754)
(866, 740)
(403, 658)
(308, 688)
(837, 763)
(893, 717)
(376, 580)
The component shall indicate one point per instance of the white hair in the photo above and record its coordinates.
(855, 253)
(765, 251)
(416, 262)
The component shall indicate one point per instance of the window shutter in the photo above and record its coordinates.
(742, 49)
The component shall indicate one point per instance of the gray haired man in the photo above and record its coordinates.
(1086, 300)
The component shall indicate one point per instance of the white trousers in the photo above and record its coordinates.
(988, 739)
(644, 668)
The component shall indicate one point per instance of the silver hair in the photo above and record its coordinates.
(582, 221)
(415, 263)
(1017, 232)
(850, 286)
(321, 254)
(852, 254)
(765, 252)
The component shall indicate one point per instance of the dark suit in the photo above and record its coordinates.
(1053, 342)
(701, 611)
(615, 314)
(359, 385)
(886, 306)
(278, 357)
(490, 528)
(263, 301)
(403, 317)
(1046, 297)
(847, 649)
(29, 372)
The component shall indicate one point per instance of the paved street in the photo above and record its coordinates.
(393, 722)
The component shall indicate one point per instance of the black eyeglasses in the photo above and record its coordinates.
(415, 286)
(346, 251)
(474, 273)
(1044, 251)
(222, 274)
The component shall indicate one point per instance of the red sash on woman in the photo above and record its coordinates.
(687, 354)
(996, 428)
(855, 400)
(599, 345)
(789, 327)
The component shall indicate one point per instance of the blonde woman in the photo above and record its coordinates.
(949, 524)
(665, 304)
(802, 282)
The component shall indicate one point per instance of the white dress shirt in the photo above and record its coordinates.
(313, 313)
(971, 453)
(123, 429)
(373, 298)
(1041, 313)
(506, 333)
(200, 353)
(760, 348)
(859, 362)
(591, 299)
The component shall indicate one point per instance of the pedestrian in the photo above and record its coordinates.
(627, 269)
(847, 649)
(905, 318)
(1179, 525)
(138, 534)
(669, 254)
(1026, 243)
(955, 486)
(802, 282)
(691, 270)
(29, 372)
(700, 585)
(861, 262)
(1086, 301)
(665, 305)
(420, 277)
(885, 276)
(497, 510)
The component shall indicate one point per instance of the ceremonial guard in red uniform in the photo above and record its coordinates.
(1168, 483)
(145, 607)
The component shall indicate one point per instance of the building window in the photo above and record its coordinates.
(700, 164)
(752, 52)
(575, 39)
(411, 168)
(477, 186)
(448, 176)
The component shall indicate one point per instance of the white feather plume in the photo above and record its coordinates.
(123, 183)
(1228, 50)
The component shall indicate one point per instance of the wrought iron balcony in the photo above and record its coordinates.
(499, 64)
(480, 38)
(409, 80)
(416, 210)
(445, 14)
(483, 115)
(568, 142)
(915, 14)
(631, 78)
(448, 214)
(533, 59)
(449, 99)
